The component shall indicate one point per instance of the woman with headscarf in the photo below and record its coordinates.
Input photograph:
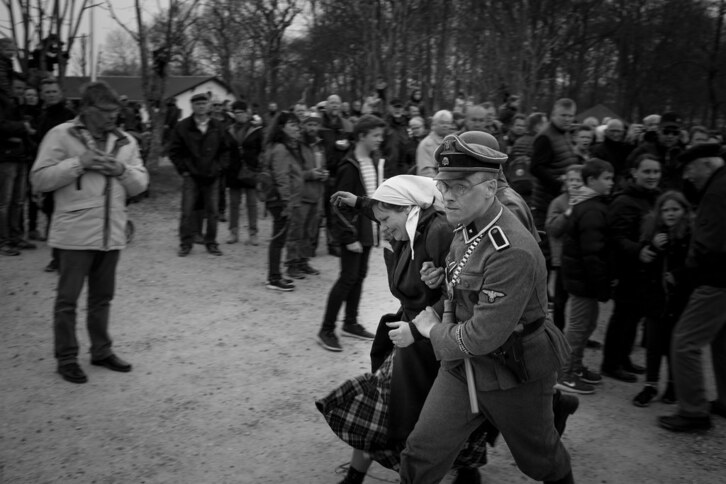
(375, 412)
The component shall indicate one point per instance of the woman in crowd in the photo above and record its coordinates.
(410, 211)
(667, 232)
(282, 156)
(625, 219)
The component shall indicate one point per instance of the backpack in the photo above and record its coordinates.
(519, 177)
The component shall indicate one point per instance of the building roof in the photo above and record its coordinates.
(131, 85)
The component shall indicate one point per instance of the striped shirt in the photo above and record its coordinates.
(368, 172)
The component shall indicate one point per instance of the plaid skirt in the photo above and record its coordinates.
(357, 411)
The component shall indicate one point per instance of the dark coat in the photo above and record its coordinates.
(616, 153)
(347, 225)
(51, 117)
(552, 153)
(414, 367)
(395, 142)
(584, 250)
(664, 301)
(671, 169)
(199, 154)
(244, 151)
(707, 253)
(625, 220)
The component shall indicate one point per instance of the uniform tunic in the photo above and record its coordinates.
(502, 286)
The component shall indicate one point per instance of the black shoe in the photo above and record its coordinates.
(467, 475)
(7, 250)
(356, 330)
(329, 341)
(595, 345)
(280, 285)
(669, 397)
(213, 249)
(645, 396)
(295, 272)
(72, 372)
(681, 423)
(184, 250)
(305, 268)
(620, 374)
(563, 406)
(633, 368)
(52, 266)
(718, 408)
(114, 363)
(23, 244)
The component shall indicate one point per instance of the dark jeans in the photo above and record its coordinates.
(348, 287)
(195, 197)
(659, 332)
(559, 301)
(277, 242)
(100, 269)
(235, 198)
(12, 197)
(621, 332)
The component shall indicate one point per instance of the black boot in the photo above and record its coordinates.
(568, 479)
(563, 406)
(467, 475)
(353, 476)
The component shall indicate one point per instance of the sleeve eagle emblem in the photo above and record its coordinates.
(492, 295)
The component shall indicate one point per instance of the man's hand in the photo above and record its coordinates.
(400, 334)
(646, 255)
(356, 247)
(430, 275)
(425, 321)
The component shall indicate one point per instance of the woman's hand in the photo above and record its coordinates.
(400, 334)
(343, 198)
(431, 275)
(425, 321)
(660, 240)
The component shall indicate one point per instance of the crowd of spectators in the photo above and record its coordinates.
(614, 202)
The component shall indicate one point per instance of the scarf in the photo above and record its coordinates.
(419, 192)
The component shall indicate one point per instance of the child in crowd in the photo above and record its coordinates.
(667, 231)
(585, 270)
(555, 226)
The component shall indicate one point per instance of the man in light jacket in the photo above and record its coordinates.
(91, 167)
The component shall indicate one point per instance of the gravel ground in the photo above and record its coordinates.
(226, 373)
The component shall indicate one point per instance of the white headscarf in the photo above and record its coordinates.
(420, 192)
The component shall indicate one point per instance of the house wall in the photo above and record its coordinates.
(183, 100)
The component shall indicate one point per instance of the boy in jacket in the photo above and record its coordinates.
(357, 174)
(585, 269)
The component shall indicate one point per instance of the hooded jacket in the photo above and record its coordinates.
(584, 247)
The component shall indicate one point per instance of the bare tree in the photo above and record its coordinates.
(44, 33)
(120, 55)
(154, 54)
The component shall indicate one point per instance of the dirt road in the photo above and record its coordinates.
(226, 373)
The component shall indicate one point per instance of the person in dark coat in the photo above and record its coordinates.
(704, 320)
(585, 269)
(667, 232)
(245, 141)
(358, 175)
(625, 218)
(197, 150)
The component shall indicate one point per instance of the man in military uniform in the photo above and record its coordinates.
(499, 354)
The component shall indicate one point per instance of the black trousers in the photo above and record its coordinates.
(348, 287)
